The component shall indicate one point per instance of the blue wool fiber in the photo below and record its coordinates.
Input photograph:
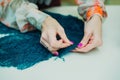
(23, 50)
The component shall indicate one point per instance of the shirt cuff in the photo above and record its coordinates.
(36, 18)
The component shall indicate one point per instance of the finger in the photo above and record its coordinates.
(54, 43)
(46, 45)
(85, 40)
(52, 40)
(52, 36)
(85, 49)
(92, 37)
(60, 44)
(62, 34)
(64, 45)
(90, 42)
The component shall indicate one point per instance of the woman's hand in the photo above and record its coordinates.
(50, 29)
(93, 35)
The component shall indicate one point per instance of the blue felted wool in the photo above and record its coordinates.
(23, 50)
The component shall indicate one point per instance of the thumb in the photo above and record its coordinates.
(64, 37)
(85, 40)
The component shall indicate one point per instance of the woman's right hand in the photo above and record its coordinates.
(50, 29)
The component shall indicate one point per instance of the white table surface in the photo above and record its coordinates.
(102, 63)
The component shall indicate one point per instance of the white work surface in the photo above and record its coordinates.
(102, 63)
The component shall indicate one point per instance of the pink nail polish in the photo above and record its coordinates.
(72, 42)
(56, 53)
(80, 45)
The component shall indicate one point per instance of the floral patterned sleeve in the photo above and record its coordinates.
(21, 15)
(88, 8)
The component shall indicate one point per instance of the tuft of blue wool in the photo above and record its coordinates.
(23, 50)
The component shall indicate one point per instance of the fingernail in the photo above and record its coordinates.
(72, 42)
(56, 53)
(80, 45)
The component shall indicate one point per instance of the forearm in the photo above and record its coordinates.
(19, 13)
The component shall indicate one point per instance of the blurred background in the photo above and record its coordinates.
(107, 2)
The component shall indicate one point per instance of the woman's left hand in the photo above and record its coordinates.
(92, 35)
